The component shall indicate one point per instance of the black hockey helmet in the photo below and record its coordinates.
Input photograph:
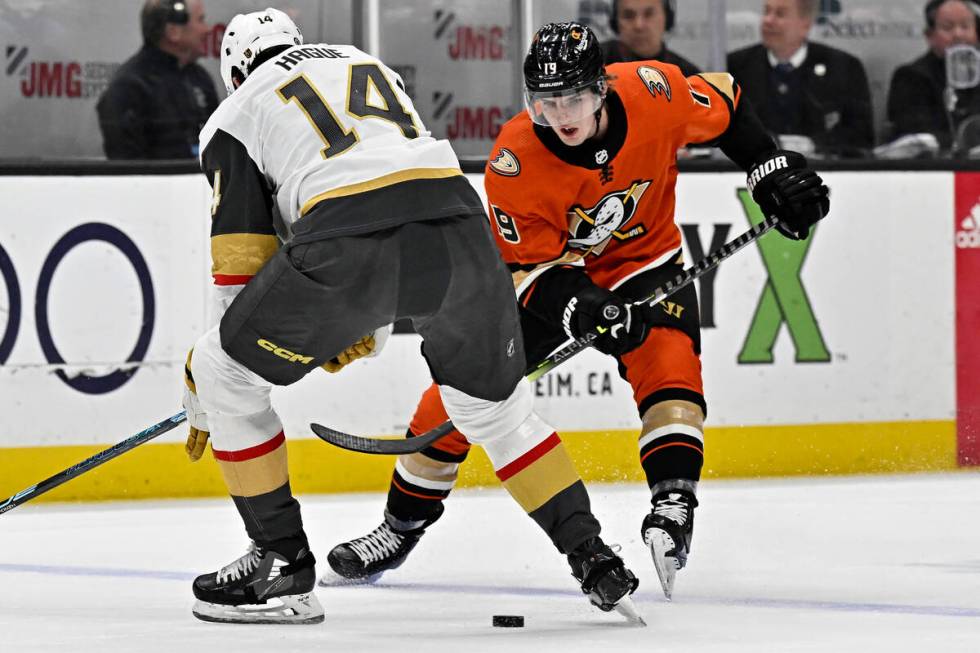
(563, 56)
(564, 60)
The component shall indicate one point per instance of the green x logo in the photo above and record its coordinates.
(783, 298)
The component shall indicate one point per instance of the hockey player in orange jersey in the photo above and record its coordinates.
(581, 200)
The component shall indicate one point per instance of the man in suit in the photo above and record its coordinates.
(640, 26)
(920, 100)
(805, 89)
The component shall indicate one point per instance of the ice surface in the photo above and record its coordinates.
(842, 564)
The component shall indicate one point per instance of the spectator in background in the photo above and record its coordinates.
(160, 98)
(814, 98)
(918, 99)
(641, 25)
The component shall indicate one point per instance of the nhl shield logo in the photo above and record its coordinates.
(506, 164)
(655, 80)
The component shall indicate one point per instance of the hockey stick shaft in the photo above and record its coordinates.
(661, 293)
(78, 469)
(413, 445)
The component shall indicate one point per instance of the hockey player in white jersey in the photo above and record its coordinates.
(376, 223)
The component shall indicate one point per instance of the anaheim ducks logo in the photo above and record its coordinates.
(593, 228)
(506, 164)
(655, 80)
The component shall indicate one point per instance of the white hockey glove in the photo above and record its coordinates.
(367, 347)
(197, 439)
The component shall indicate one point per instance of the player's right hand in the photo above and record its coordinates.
(197, 439)
(622, 327)
(784, 185)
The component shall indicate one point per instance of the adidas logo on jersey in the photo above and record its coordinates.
(968, 235)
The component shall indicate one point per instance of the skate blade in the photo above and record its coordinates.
(660, 543)
(627, 608)
(296, 609)
(333, 579)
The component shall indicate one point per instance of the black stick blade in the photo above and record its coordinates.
(380, 446)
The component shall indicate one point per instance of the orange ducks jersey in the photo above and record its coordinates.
(608, 202)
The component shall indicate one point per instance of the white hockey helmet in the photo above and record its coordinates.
(247, 35)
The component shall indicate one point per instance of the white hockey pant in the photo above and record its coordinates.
(236, 400)
(505, 429)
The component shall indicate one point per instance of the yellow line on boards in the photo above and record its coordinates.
(156, 471)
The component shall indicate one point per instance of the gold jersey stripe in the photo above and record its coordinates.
(534, 485)
(381, 182)
(249, 478)
(721, 81)
(241, 254)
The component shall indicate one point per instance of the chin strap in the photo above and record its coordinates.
(598, 118)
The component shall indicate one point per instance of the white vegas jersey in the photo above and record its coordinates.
(325, 139)
(324, 121)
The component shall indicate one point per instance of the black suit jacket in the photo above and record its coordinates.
(154, 109)
(614, 51)
(836, 106)
(916, 101)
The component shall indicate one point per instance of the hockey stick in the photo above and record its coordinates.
(398, 446)
(106, 455)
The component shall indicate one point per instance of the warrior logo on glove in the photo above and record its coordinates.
(783, 185)
(767, 167)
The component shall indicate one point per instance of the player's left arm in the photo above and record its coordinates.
(243, 235)
(781, 181)
(242, 240)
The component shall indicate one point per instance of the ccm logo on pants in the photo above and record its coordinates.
(284, 353)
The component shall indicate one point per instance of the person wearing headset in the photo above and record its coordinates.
(640, 26)
(159, 99)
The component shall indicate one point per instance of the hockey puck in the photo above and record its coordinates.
(508, 621)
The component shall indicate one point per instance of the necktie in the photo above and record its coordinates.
(782, 73)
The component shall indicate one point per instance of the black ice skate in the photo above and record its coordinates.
(363, 560)
(667, 531)
(261, 587)
(605, 578)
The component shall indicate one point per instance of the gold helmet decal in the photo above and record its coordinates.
(506, 164)
(655, 80)
(576, 34)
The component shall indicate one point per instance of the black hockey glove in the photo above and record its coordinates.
(622, 327)
(783, 185)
